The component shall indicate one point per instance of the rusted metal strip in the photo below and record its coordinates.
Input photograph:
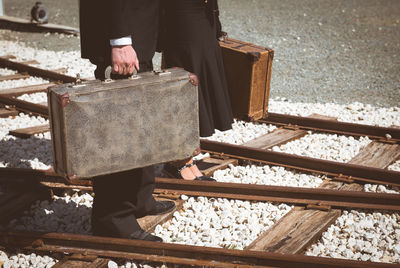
(28, 132)
(332, 168)
(37, 175)
(60, 70)
(25, 106)
(264, 193)
(168, 253)
(34, 71)
(30, 62)
(14, 76)
(292, 195)
(321, 116)
(332, 126)
(26, 90)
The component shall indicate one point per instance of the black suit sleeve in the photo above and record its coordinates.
(102, 20)
(122, 12)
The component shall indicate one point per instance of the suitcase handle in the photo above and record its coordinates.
(108, 71)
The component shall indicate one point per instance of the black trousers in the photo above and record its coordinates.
(121, 198)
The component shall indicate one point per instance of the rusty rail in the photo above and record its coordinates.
(25, 106)
(17, 91)
(167, 253)
(349, 172)
(27, 176)
(316, 197)
(331, 126)
(20, 67)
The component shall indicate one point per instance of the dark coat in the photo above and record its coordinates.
(212, 13)
(102, 20)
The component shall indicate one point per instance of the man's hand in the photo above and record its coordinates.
(124, 59)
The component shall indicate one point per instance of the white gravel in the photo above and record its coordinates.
(267, 175)
(140, 265)
(361, 236)
(20, 121)
(241, 132)
(220, 222)
(49, 59)
(40, 97)
(22, 82)
(381, 189)
(4, 71)
(24, 260)
(325, 146)
(352, 113)
(395, 166)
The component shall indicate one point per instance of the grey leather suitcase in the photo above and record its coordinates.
(103, 127)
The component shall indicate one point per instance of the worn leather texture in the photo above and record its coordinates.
(248, 73)
(113, 126)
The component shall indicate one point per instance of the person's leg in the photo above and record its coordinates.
(122, 197)
(119, 198)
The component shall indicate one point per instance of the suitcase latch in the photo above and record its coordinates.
(161, 72)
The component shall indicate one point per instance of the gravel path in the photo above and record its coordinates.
(363, 236)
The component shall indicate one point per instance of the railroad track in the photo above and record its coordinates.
(282, 245)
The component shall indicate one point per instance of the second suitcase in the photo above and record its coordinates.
(248, 73)
(105, 127)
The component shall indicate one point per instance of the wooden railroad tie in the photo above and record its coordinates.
(301, 227)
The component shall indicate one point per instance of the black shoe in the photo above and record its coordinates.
(143, 235)
(162, 207)
(204, 178)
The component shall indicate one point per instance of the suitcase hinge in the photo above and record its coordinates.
(64, 99)
(193, 79)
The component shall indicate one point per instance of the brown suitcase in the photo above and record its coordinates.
(248, 73)
(102, 127)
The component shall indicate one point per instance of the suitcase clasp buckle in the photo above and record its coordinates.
(161, 72)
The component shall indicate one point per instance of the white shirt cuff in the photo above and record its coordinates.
(123, 41)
